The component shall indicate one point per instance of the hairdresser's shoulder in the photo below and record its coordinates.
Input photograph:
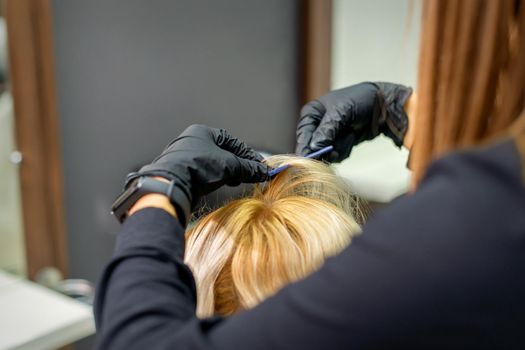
(486, 172)
(464, 195)
(467, 211)
(476, 191)
(439, 252)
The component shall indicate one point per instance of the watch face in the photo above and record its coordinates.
(135, 190)
(133, 187)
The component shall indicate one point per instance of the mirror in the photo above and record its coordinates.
(12, 249)
(357, 57)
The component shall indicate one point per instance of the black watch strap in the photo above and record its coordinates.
(136, 189)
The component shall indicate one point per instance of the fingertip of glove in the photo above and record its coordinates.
(318, 144)
(264, 172)
(257, 156)
(253, 171)
(302, 150)
(313, 108)
(333, 157)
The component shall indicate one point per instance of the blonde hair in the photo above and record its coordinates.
(247, 250)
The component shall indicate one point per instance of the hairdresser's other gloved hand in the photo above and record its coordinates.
(344, 118)
(201, 160)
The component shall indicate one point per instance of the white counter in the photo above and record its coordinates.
(376, 170)
(34, 317)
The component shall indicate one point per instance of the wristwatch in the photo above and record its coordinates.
(136, 189)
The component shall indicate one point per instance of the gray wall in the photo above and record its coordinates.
(132, 74)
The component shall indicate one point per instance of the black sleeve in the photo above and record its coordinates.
(414, 278)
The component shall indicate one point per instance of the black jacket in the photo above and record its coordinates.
(440, 269)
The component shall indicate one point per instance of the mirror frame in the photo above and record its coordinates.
(32, 84)
(316, 53)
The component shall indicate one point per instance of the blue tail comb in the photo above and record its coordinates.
(315, 154)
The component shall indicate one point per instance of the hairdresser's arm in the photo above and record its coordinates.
(346, 117)
(143, 279)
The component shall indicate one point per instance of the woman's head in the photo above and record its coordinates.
(247, 250)
(471, 84)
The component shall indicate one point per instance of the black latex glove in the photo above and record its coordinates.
(201, 160)
(344, 118)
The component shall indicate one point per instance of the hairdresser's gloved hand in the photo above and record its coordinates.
(344, 118)
(201, 160)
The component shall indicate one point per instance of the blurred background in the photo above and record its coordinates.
(92, 89)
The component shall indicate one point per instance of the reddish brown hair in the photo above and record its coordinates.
(471, 84)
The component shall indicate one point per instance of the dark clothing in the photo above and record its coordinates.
(442, 268)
